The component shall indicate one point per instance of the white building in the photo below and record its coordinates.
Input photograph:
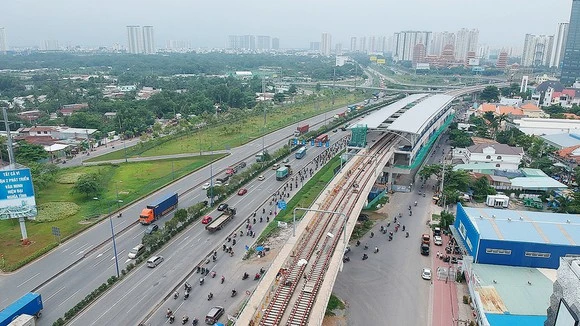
(263, 42)
(504, 157)
(134, 39)
(405, 42)
(537, 50)
(542, 126)
(465, 41)
(2, 41)
(353, 44)
(560, 45)
(148, 40)
(326, 44)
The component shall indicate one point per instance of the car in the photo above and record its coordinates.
(286, 160)
(261, 178)
(136, 252)
(154, 261)
(335, 130)
(214, 315)
(437, 231)
(425, 238)
(424, 249)
(275, 166)
(206, 186)
(437, 240)
(206, 219)
(151, 228)
(242, 191)
(426, 273)
(222, 207)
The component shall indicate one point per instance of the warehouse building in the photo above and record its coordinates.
(517, 238)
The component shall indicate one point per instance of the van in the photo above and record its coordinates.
(214, 315)
(154, 261)
(136, 252)
(275, 166)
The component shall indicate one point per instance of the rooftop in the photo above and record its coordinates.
(413, 121)
(502, 149)
(563, 140)
(536, 183)
(526, 226)
(375, 119)
(508, 298)
(475, 166)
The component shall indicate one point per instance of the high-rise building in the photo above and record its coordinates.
(50, 45)
(537, 50)
(404, 43)
(571, 61)
(263, 42)
(439, 41)
(465, 41)
(560, 45)
(233, 42)
(338, 49)
(314, 46)
(381, 44)
(148, 40)
(241, 42)
(2, 41)
(275, 43)
(363, 44)
(372, 44)
(353, 44)
(326, 44)
(134, 39)
(418, 54)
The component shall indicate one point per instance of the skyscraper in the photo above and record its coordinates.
(263, 42)
(560, 45)
(275, 43)
(571, 61)
(134, 39)
(148, 40)
(404, 43)
(439, 41)
(465, 41)
(326, 44)
(537, 50)
(2, 41)
(363, 44)
(372, 44)
(353, 44)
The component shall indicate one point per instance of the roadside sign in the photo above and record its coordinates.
(281, 204)
(16, 194)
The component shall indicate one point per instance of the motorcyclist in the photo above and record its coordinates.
(262, 270)
(171, 318)
(210, 296)
(184, 319)
(175, 295)
(365, 256)
(245, 275)
(257, 276)
(234, 292)
(223, 279)
(169, 313)
(201, 281)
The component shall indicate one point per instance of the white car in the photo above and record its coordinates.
(437, 240)
(261, 178)
(426, 273)
(205, 186)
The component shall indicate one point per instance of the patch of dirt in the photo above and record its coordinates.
(275, 243)
(334, 321)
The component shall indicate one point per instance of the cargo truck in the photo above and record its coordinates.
(158, 209)
(24, 320)
(29, 304)
(221, 220)
(301, 130)
(283, 172)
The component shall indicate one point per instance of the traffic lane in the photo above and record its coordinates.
(445, 303)
(202, 248)
(401, 297)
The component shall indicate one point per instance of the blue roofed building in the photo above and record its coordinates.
(517, 238)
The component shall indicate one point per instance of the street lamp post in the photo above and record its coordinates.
(113, 238)
(318, 211)
(211, 181)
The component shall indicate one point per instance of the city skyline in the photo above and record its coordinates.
(172, 21)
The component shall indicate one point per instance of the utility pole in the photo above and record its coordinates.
(443, 181)
(333, 83)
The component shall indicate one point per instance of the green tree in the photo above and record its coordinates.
(292, 89)
(26, 153)
(181, 215)
(279, 97)
(447, 219)
(88, 185)
(84, 120)
(489, 94)
(481, 189)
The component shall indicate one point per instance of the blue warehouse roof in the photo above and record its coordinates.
(526, 226)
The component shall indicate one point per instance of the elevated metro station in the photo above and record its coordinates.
(417, 120)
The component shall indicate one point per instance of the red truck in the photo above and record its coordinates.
(301, 130)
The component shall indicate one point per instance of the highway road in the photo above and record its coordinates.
(387, 289)
(82, 263)
(132, 299)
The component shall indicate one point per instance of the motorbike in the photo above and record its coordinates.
(209, 296)
(201, 280)
(186, 295)
(234, 292)
(345, 259)
(184, 320)
(372, 234)
(376, 250)
(262, 271)
(407, 235)
(357, 243)
(366, 247)
(213, 274)
(390, 237)
(245, 276)
(195, 321)
(171, 319)
(410, 213)
(223, 279)
(257, 276)
(415, 203)
(175, 295)
(403, 228)
(365, 257)
(169, 313)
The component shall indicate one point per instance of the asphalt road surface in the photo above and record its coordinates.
(131, 300)
(387, 289)
(67, 274)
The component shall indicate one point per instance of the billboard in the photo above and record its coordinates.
(373, 58)
(473, 62)
(16, 194)
(381, 61)
(422, 66)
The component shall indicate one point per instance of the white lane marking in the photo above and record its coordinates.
(99, 255)
(55, 293)
(69, 297)
(35, 275)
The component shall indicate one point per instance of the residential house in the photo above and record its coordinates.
(69, 109)
(531, 110)
(504, 157)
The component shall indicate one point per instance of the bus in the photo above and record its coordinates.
(301, 152)
(320, 140)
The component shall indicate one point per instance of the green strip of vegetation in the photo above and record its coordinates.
(232, 133)
(59, 205)
(334, 303)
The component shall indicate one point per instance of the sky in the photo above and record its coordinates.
(501, 23)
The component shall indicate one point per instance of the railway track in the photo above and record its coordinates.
(316, 246)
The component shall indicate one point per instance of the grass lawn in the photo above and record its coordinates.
(59, 206)
(304, 198)
(228, 136)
